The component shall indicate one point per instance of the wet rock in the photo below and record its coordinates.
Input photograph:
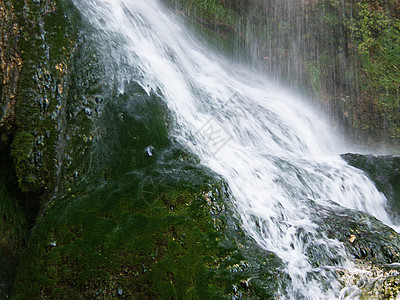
(384, 171)
(363, 236)
(38, 92)
(367, 281)
(114, 225)
(10, 65)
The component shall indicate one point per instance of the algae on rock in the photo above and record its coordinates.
(45, 44)
(10, 66)
(36, 39)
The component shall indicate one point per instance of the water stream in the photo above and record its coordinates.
(279, 157)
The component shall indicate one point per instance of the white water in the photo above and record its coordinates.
(276, 154)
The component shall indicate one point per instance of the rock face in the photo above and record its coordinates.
(46, 45)
(35, 43)
(378, 274)
(10, 65)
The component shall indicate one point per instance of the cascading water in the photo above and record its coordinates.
(278, 156)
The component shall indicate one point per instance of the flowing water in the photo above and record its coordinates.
(278, 156)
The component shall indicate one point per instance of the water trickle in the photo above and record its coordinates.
(277, 155)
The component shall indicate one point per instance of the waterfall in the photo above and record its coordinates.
(278, 156)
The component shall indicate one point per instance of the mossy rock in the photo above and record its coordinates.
(115, 242)
(46, 41)
(16, 217)
(23, 155)
(368, 281)
(10, 66)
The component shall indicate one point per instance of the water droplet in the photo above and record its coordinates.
(88, 111)
(150, 150)
(120, 291)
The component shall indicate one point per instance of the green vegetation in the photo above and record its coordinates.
(132, 225)
(377, 39)
(125, 223)
(24, 161)
(222, 17)
(372, 31)
(13, 222)
(45, 45)
(210, 11)
(117, 242)
(16, 217)
(36, 43)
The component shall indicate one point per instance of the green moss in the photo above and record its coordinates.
(16, 217)
(45, 46)
(167, 248)
(23, 149)
(212, 12)
(371, 44)
(12, 222)
(127, 221)
(42, 41)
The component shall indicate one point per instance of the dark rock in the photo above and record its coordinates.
(364, 236)
(384, 171)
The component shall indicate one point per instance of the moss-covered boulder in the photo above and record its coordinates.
(121, 241)
(141, 219)
(373, 247)
(363, 236)
(36, 43)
